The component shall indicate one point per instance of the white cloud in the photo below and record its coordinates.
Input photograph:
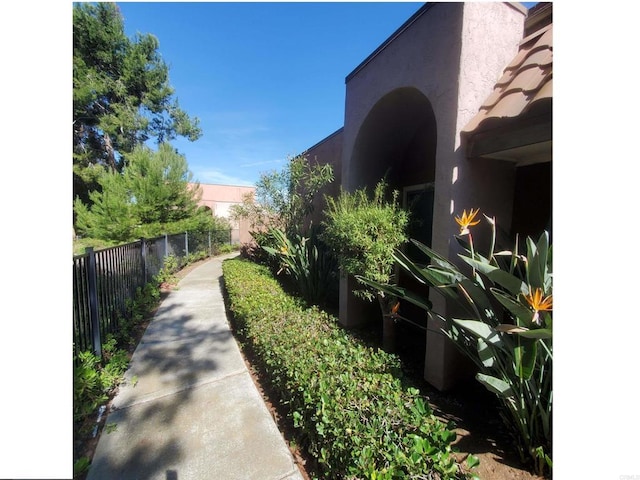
(218, 177)
(262, 163)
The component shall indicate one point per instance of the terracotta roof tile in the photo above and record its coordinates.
(526, 80)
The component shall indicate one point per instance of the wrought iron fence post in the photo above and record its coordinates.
(186, 244)
(230, 236)
(143, 251)
(93, 301)
(210, 252)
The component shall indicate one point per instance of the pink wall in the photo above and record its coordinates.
(219, 198)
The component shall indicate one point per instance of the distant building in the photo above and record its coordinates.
(219, 199)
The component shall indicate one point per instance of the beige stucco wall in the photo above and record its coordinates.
(490, 36)
(453, 53)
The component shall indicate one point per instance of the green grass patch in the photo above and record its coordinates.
(346, 399)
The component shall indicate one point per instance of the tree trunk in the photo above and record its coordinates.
(111, 157)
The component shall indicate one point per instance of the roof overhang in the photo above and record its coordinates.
(524, 141)
(515, 121)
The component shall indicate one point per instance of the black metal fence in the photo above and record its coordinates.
(105, 280)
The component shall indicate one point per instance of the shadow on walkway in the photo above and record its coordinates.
(188, 408)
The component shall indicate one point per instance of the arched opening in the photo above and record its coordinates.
(397, 141)
(206, 208)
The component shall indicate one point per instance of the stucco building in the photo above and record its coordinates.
(455, 110)
(220, 198)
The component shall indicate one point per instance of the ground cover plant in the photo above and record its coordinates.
(346, 399)
(504, 325)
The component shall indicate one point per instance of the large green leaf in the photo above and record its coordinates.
(508, 328)
(523, 314)
(480, 330)
(486, 353)
(495, 385)
(538, 333)
(399, 292)
(512, 283)
(408, 265)
(479, 297)
(482, 265)
(442, 279)
(433, 255)
(525, 357)
(537, 260)
(269, 250)
(506, 280)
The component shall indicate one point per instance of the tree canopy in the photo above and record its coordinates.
(284, 198)
(152, 196)
(121, 95)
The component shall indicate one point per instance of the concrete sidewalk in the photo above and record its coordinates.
(189, 409)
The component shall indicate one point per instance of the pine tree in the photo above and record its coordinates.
(151, 197)
(121, 95)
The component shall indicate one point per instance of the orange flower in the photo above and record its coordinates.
(466, 221)
(539, 303)
(394, 309)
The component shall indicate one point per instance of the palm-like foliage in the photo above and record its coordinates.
(506, 329)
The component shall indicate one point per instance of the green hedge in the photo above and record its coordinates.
(352, 412)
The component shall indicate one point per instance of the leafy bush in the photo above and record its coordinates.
(284, 199)
(170, 265)
(227, 248)
(364, 231)
(196, 256)
(352, 412)
(507, 297)
(94, 380)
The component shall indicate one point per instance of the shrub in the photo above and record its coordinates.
(507, 298)
(346, 400)
(364, 231)
(227, 248)
(170, 266)
(284, 199)
(94, 380)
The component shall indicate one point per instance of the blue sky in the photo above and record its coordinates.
(266, 80)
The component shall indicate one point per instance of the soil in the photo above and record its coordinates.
(471, 407)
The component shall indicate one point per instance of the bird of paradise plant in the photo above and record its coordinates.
(507, 332)
(306, 261)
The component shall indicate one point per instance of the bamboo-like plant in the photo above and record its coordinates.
(363, 230)
(507, 300)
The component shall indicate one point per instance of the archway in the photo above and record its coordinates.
(397, 141)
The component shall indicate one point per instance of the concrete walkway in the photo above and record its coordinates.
(189, 409)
